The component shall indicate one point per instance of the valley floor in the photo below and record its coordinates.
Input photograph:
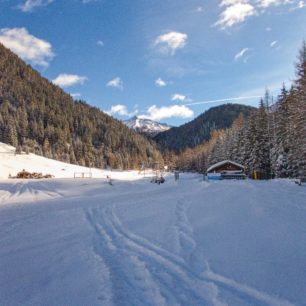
(84, 242)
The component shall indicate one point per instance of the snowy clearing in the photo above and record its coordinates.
(84, 242)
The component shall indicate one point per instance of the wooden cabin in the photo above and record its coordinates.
(226, 169)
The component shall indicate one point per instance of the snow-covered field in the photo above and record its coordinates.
(11, 164)
(84, 242)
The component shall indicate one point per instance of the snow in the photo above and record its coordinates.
(186, 242)
(11, 164)
(212, 167)
(146, 126)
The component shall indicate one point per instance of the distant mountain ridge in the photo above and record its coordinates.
(146, 126)
(199, 130)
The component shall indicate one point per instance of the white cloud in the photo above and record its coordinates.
(273, 43)
(241, 54)
(160, 83)
(178, 97)
(28, 47)
(121, 110)
(170, 42)
(30, 5)
(118, 109)
(159, 113)
(299, 5)
(268, 29)
(66, 80)
(100, 43)
(75, 95)
(115, 83)
(232, 2)
(235, 12)
(267, 3)
(200, 9)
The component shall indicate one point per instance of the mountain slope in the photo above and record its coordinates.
(146, 126)
(41, 118)
(198, 130)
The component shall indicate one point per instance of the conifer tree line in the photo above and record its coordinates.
(37, 116)
(195, 132)
(272, 140)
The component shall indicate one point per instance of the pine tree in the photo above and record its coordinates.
(263, 139)
(300, 113)
(280, 150)
(46, 148)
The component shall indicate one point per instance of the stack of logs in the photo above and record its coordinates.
(34, 175)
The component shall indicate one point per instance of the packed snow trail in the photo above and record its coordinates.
(155, 272)
(83, 242)
(193, 289)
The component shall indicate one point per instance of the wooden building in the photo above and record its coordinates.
(226, 169)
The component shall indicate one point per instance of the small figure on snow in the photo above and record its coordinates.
(109, 180)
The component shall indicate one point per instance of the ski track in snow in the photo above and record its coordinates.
(146, 269)
(180, 236)
(141, 271)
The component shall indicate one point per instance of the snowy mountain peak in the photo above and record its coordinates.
(146, 126)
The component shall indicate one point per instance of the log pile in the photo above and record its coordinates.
(32, 175)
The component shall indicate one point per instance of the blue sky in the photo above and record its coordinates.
(158, 59)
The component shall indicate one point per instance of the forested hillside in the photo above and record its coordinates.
(39, 117)
(200, 129)
(271, 141)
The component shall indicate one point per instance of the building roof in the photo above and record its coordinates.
(223, 163)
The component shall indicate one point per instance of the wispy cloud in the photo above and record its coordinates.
(75, 95)
(100, 43)
(178, 97)
(273, 43)
(159, 113)
(234, 99)
(115, 83)
(235, 12)
(267, 3)
(299, 5)
(67, 80)
(121, 110)
(160, 83)
(170, 42)
(30, 5)
(243, 54)
(28, 47)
